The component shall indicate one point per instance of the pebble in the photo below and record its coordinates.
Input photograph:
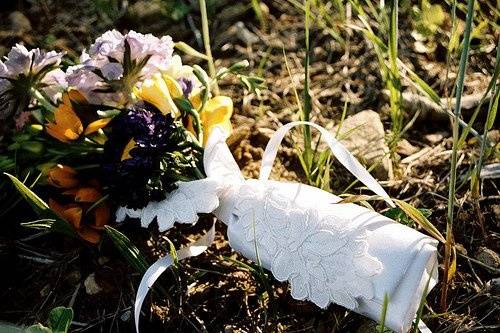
(91, 286)
(488, 257)
(435, 137)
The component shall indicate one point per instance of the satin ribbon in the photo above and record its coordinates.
(338, 150)
(157, 269)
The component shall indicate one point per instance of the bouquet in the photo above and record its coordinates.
(119, 128)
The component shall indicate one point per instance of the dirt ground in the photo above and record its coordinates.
(212, 293)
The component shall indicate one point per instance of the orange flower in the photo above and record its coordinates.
(62, 176)
(87, 223)
(88, 226)
(67, 126)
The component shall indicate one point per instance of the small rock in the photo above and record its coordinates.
(435, 137)
(229, 329)
(488, 257)
(363, 134)
(405, 148)
(494, 136)
(145, 10)
(91, 286)
(19, 23)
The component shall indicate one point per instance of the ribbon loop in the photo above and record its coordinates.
(162, 264)
(338, 150)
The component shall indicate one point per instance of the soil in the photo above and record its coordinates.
(212, 292)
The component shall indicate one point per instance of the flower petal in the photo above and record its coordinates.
(155, 91)
(102, 215)
(87, 194)
(89, 234)
(96, 125)
(62, 176)
(217, 112)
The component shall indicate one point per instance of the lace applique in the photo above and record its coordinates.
(324, 258)
(181, 205)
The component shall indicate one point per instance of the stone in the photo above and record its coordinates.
(435, 138)
(488, 257)
(91, 286)
(19, 23)
(363, 134)
(145, 10)
(404, 147)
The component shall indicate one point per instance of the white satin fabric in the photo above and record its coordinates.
(328, 251)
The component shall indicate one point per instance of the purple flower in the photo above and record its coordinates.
(141, 176)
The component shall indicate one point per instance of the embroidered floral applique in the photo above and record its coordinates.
(321, 265)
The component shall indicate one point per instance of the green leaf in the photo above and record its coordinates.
(11, 328)
(493, 112)
(189, 50)
(52, 220)
(60, 319)
(420, 218)
(34, 200)
(38, 328)
(128, 250)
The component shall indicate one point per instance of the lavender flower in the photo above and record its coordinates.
(116, 62)
(24, 69)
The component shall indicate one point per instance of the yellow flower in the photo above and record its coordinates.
(160, 91)
(217, 112)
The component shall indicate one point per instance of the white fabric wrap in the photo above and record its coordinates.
(329, 252)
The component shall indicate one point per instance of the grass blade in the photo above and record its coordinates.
(453, 172)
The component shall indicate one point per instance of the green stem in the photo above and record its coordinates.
(42, 100)
(206, 42)
(306, 114)
(453, 172)
(197, 123)
(484, 141)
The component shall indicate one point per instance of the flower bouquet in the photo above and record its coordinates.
(118, 129)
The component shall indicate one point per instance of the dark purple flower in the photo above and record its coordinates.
(135, 180)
